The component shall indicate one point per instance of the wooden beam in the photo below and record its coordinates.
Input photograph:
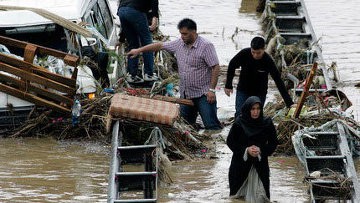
(305, 92)
(71, 60)
(187, 102)
(33, 99)
(56, 78)
(39, 91)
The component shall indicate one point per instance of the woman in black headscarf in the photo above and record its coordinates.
(252, 138)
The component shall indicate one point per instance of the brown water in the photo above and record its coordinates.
(206, 180)
(45, 170)
(337, 24)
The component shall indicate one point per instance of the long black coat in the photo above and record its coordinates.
(265, 138)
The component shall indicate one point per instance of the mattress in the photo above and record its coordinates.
(144, 109)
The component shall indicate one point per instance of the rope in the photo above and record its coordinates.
(156, 137)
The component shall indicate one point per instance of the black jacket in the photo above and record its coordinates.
(150, 7)
(254, 75)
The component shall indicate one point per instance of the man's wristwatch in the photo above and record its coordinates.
(212, 90)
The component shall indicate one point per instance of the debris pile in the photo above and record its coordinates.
(319, 109)
(182, 140)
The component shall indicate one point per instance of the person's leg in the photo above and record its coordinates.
(128, 18)
(239, 101)
(208, 113)
(102, 61)
(142, 28)
(189, 113)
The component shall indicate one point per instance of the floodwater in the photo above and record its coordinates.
(45, 170)
(337, 25)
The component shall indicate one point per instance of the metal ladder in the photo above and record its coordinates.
(139, 184)
(292, 22)
(332, 156)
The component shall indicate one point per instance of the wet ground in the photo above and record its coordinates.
(45, 170)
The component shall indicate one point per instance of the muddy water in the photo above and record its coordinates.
(45, 170)
(337, 25)
(206, 180)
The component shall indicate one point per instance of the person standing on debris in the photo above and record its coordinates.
(252, 138)
(198, 69)
(133, 16)
(255, 65)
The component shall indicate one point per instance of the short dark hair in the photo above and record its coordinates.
(187, 23)
(258, 43)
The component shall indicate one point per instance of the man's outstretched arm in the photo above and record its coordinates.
(150, 47)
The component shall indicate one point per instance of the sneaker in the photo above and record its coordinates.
(134, 79)
(150, 77)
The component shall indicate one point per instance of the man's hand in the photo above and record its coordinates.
(228, 91)
(133, 53)
(211, 97)
(154, 24)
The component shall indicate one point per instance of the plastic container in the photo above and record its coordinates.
(76, 112)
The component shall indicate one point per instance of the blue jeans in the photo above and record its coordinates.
(240, 99)
(136, 29)
(208, 113)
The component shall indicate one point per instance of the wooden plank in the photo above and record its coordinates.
(71, 60)
(187, 102)
(12, 42)
(38, 70)
(37, 79)
(39, 91)
(56, 78)
(15, 62)
(29, 53)
(305, 92)
(33, 99)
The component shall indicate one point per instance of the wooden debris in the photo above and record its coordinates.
(305, 92)
(24, 80)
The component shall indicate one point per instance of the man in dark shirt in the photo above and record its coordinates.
(256, 65)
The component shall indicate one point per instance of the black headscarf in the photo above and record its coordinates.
(252, 126)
